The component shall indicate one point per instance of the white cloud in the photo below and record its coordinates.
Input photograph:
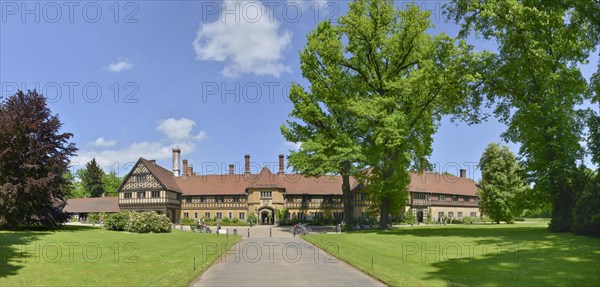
(101, 142)
(180, 130)
(119, 66)
(121, 160)
(248, 41)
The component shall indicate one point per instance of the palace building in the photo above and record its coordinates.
(180, 193)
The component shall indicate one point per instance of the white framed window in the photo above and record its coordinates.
(207, 215)
(196, 215)
(230, 215)
(451, 214)
(460, 215)
(442, 197)
(186, 215)
(242, 216)
(219, 215)
(473, 214)
(266, 194)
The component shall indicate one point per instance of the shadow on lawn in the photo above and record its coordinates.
(504, 255)
(549, 261)
(18, 247)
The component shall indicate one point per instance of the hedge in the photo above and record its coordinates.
(118, 222)
(139, 222)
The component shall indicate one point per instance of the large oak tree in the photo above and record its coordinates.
(379, 86)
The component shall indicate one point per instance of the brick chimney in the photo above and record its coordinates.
(152, 161)
(247, 164)
(185, 167)
(176, 156)
(231, 168)
(190, 170)
(463, 173)
(281, 163)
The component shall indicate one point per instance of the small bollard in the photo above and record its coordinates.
(248, 232)
(270, 232)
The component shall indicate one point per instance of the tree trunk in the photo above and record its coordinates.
(347, 196)
(561, 210)
(384, 214)
(562, 199)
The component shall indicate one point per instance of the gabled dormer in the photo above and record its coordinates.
(150, 187)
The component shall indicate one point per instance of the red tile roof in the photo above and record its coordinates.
(94, 204)
(442, 183)
(297, 184)
(162, 175)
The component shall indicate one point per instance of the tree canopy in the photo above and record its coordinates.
(534, 84)
(503, 186)
(379, 86)
(91, 179)
(110, 182)
(34, 155)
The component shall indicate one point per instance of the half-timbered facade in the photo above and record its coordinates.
(148, 187)
(180, 193)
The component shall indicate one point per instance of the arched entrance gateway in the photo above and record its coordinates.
(266, 216)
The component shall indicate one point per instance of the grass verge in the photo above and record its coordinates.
(524, 254)
(88, 256)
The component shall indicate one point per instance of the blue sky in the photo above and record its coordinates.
(135, 78)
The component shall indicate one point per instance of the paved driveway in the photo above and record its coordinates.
(281, 261)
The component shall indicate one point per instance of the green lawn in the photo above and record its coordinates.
(77, 255)
(523, 254)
